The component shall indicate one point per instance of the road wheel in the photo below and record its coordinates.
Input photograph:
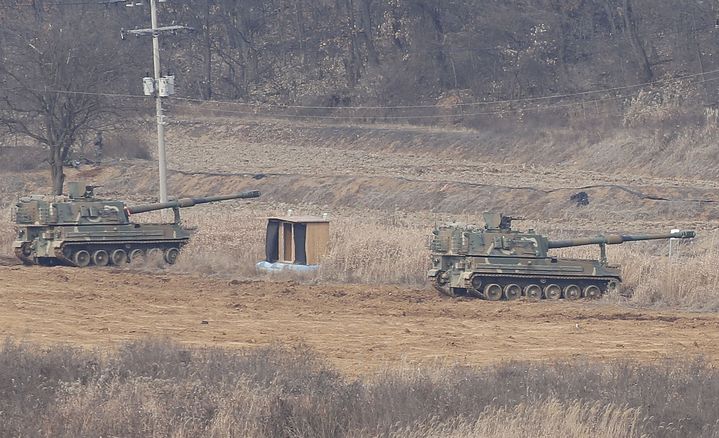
(81, 258)
(475, 287)
(171, 255)
(612, 285)
(512, 291)
(592, 292)
(441, 283)
(533, 292)
(572, 292)
(118, 257)
(100, 258)
(493, 292)
(137, 256)
(553, 292)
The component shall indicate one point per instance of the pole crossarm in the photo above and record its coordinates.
(174, 28)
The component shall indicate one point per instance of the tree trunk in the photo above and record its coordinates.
(610, 17)
(300, 24)
(208, 53)
(352, 62)
(433, 14)
(397, 28)
(366, 17)
(700, 58)
(56, 169)
(564, 37)
(641, 55)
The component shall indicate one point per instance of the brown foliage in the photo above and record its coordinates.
(21, 158)
(156, 387)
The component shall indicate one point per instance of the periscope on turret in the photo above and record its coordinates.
(79, 229)
(497, 262)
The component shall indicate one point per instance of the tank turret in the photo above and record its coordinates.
(496, 262)
(80, 229)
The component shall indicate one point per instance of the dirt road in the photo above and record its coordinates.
(358, 328)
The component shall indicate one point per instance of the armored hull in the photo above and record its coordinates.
(497, 262)
(98, 245)
(81, 230)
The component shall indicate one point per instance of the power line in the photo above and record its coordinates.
(418, 117)
(480, 103)
(81, 93)
(404, 117)
(70, 3)
(437, 116)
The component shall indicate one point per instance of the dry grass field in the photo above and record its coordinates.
(367, 314)
(160, 388)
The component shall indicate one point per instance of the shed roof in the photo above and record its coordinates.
(300, 219)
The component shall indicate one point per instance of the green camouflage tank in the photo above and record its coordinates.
(79, 229)
(496, 262)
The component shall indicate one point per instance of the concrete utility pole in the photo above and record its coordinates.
(159, 86)
(158, 103)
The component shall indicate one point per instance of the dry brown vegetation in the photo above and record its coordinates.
(372, 248)
(21, 158)
(158, 388)
(367, 247)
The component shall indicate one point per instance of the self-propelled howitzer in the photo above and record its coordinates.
(497, 262)
(79, 229)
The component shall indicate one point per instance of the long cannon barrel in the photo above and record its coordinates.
(616, 239)
(189, 202)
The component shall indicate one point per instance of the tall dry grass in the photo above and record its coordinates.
(369, 251)
(543, 418)
(159, 388)
(373, 248)
(377, 248)
(363, 249)
(688, 280)
(392, 248)
(7, 231)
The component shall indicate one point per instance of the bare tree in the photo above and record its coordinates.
(55, 71)
(630, 23)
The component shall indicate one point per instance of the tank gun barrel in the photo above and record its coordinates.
(616, 239)
(189, 202)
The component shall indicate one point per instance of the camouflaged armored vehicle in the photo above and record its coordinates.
(497, 262)
(79, 229)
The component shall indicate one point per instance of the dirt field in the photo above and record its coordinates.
(360, 329)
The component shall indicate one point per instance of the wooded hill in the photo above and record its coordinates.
(446, 54)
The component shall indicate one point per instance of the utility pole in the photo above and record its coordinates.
(158, 103)
(159, 86)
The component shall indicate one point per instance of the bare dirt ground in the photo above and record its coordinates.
(361, 329)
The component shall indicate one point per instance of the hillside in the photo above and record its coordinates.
(443, 173)
(585, 64)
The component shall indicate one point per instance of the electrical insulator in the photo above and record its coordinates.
(166, 86)
(170, 84)
(148, 86)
